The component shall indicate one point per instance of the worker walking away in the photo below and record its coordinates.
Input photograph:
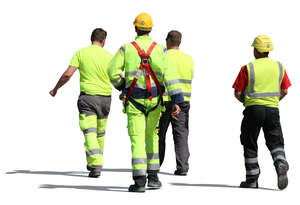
(260, 85)
(184, 66)
(146, 69)
(95, 96)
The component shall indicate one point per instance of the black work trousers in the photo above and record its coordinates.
(255, 118)
(180, 128)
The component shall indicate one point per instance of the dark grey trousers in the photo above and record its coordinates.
(180, 128)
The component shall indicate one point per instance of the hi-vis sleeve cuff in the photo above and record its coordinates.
(118, 83)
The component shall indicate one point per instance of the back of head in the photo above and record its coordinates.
(99, 35)
(174, 37)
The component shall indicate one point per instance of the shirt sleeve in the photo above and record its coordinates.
(116, 68)
(285, 84)
(241, 81)
(75, 60)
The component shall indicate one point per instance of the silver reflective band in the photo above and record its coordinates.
(101, 134)
(172, 82)
(139, 161)
(261, 95)
(252, 77)
(93, 151)
(174, 92)
(139, 172)
(137, 85)
(278, 149)
(252, 172)
(153, 166)
(140, 72)
(89, 130)
(152, 156)
(280, 75)
(279, 157)
(184, 94)
(251, 160)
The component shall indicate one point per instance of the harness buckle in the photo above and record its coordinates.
(145, 60)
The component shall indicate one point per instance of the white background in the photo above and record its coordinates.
(41, 150)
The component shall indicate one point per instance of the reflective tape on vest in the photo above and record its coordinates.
(172, 82)
(266, 94)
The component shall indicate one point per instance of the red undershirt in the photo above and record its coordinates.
(241, 81)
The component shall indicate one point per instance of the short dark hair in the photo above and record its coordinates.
(99, 35)
(141, 32)
(174, 37)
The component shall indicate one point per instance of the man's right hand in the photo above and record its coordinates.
(53, 92)
(175, 110)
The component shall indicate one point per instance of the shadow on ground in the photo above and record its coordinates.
(216, 185)
(94, 188)
(64, 173)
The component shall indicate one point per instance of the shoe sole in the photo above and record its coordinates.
(282, 177)
(153, 186)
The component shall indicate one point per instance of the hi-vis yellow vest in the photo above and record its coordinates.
(264, 81)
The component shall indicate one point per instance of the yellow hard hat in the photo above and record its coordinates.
(143, 22)
(263, 44)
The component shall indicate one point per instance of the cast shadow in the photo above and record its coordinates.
(217, 186)
(93, 188)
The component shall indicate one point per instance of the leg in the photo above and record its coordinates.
(180, 136)
(136, 131)
(153, 165)
(275, 143)
(88, 124)
(250, 128)
(163, 127)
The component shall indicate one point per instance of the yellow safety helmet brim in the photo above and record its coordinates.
(263, 44)
(143, 22)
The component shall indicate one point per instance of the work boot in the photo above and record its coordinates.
(249, 183)
(180, 173)
(94, 174)
(153, 180)
(282, 179)
(139, 184)
(89, 168)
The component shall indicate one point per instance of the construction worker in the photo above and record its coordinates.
(146, 69)
(95, 96)
(260, 85)
(184, 66)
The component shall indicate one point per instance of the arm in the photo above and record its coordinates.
(63, 79)
(239, 96)
(283, 93)
(116, 68)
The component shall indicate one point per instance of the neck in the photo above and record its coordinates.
(96, 43)
(262, 56)
(174, 47)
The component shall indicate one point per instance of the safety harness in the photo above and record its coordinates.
(145, 66)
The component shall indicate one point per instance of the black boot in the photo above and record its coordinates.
(249, 183)
(94, 174)
(282, 179)
(139, 184)
(153, 180)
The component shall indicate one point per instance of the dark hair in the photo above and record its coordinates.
(141, 32)
(99, 35)
(175, 37)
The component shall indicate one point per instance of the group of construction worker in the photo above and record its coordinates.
(155, 84)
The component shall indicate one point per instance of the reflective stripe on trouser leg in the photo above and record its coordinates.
(101, 126)
(251, 164)
(88, 124)
(152, 139)
(278, 154)
(136, 131)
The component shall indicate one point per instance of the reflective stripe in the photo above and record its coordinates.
(101, 134)
(184, 94)
(252, 77)
(261, 95)
(152, 156)
(280, 74)
(267, 94)
(174, 92)
(89, 130)
(153, 166)
(137, 85)
(279, 157)
(139, 172)
(251, 160)
(140, 72)
(93, 151)
(122, 49)
(139, 161)
(252, 172)
(278, 149)
(172, 82)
